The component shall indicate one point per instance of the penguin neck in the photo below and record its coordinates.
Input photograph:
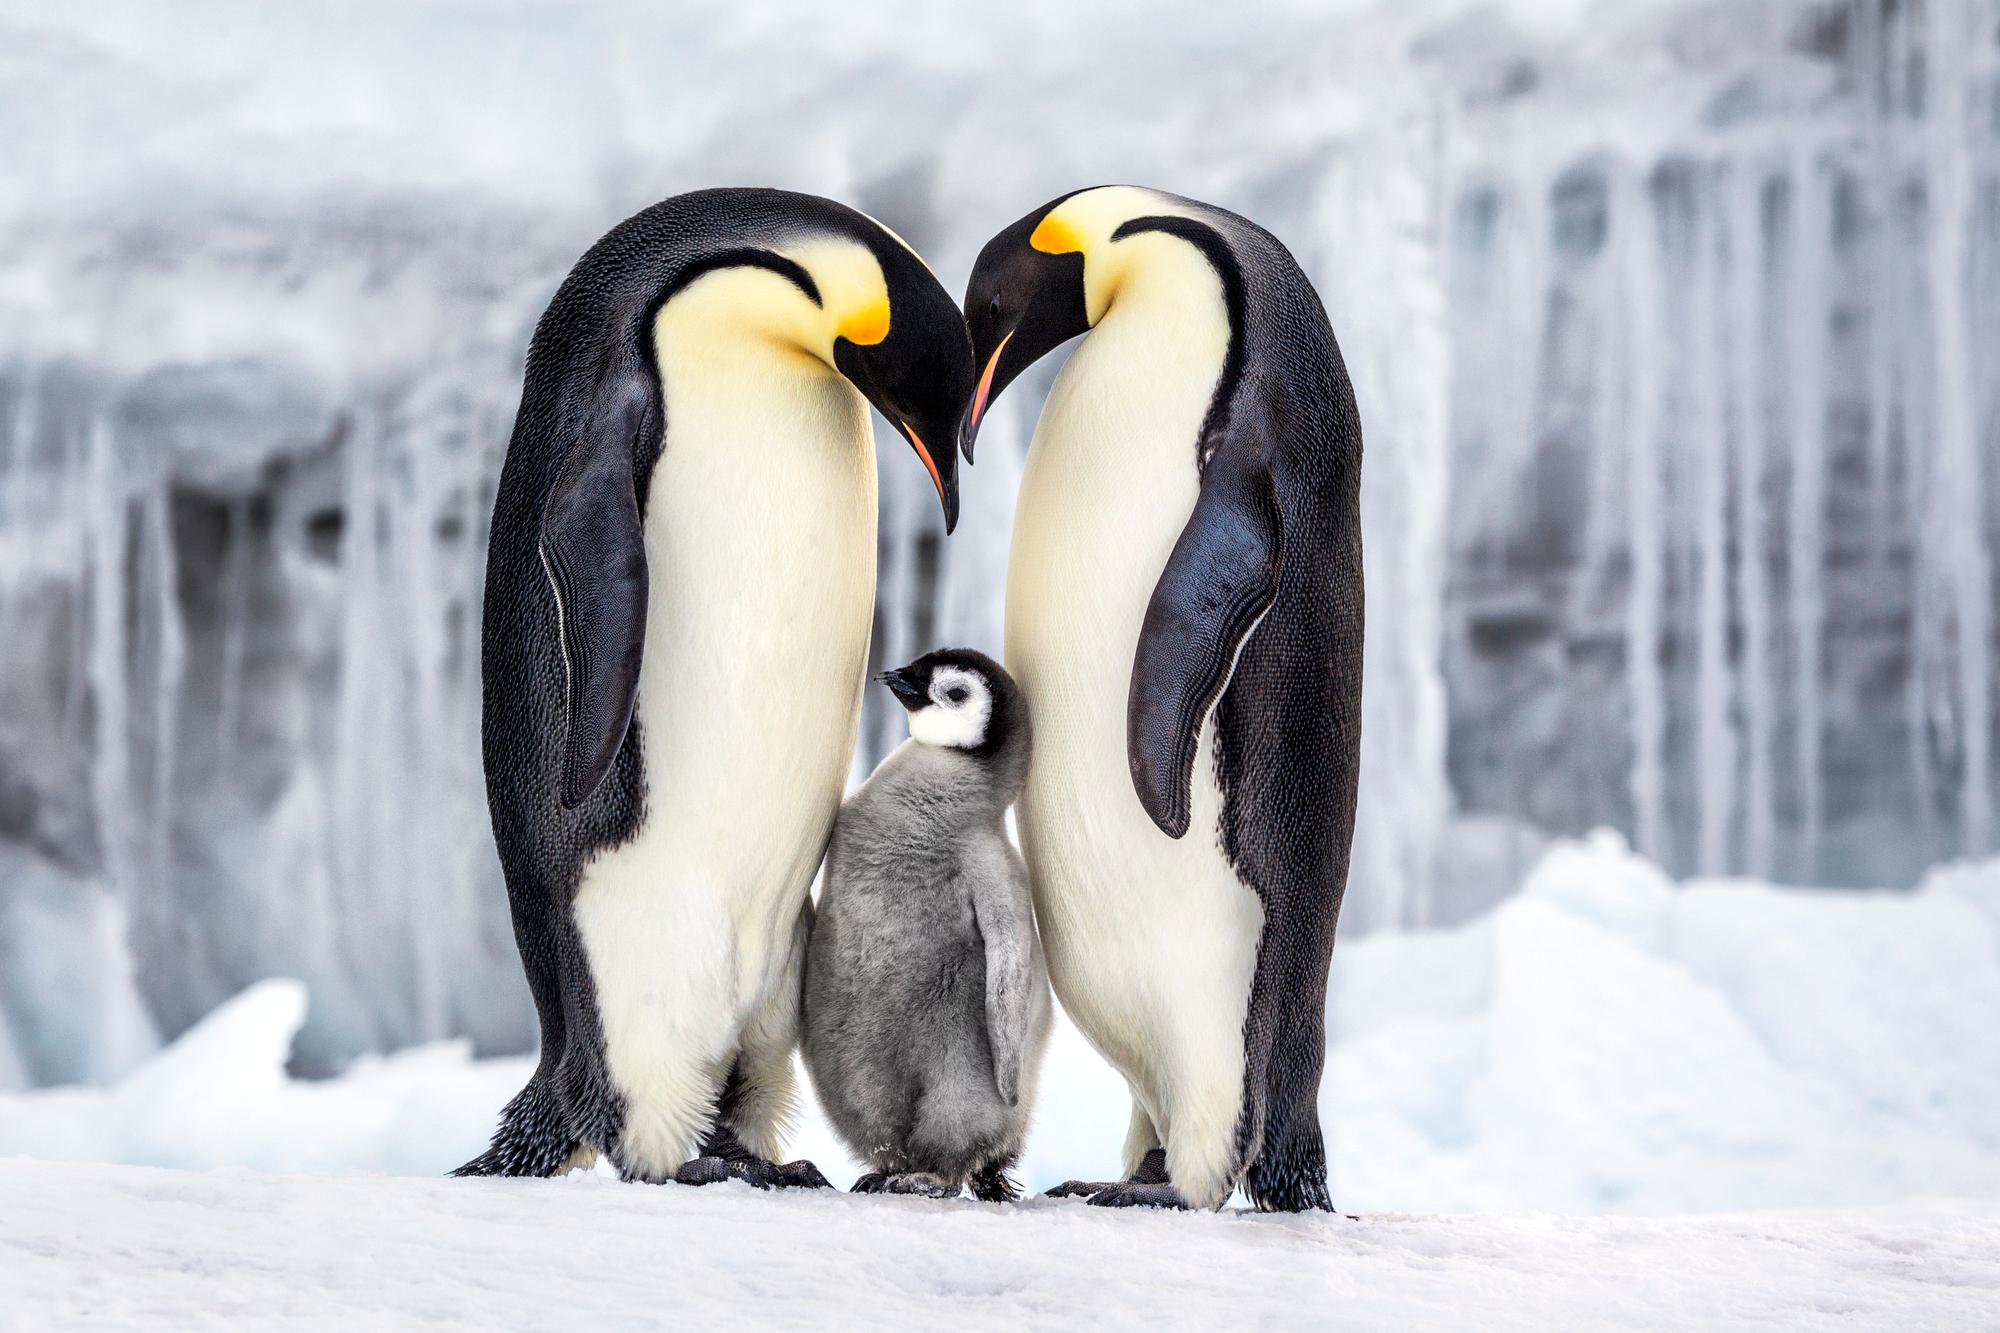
(954, 787)
(1152, 360)
(1157, 286)
(744, 322)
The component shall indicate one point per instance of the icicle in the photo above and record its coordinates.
(434, 479)
(17, 442)
(110, 760)
(1607, 527)
(16, 439)
(170, 661)
(1746, 348)
(1526, 255)
(1960, 483)
(363, 917)
(236, 567)
(1715, 739)
(1635, 233)
(1886, 302)
(1371, 224)
(78, 466)
(1807, 419)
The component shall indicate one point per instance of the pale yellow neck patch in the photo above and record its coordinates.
(1085, 223)
(759, 304)
(854, 295)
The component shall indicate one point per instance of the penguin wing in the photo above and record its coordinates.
(1006, 927)
(594, 554)
(1217, 584)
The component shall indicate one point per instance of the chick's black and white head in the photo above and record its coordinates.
(960, 699)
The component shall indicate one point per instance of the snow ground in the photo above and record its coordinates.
(115, 1247)
(1603, 1042)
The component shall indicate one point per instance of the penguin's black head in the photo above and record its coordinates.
(915, 365)
(962, 700)
(1026, 298)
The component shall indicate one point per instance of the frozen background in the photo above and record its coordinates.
(1672, 324)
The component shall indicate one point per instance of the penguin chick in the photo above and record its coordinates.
(927, 1005)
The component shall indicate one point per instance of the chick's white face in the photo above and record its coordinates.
(960, 706)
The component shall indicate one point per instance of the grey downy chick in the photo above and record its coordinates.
(927, 1004)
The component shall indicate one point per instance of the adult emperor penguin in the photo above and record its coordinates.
(679, 592)
(1184, 611)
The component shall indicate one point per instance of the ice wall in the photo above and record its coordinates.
(265, 301)
(1723, 443)
(266, 277)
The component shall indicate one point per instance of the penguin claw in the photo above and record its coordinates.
(921, 1183)
(1139, 1194)
(702, 1171)
(799, 1175)
(1073, 1189)
(754, 1171)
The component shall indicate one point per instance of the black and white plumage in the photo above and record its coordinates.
(679, 592)
(1184, 613)
(927, 1003)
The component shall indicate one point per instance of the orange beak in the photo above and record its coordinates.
(980, 396)
(948, 498)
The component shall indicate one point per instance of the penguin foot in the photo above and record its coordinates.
(921, 1183)
(1152, 1170)
(1081, 1189)
(754, 1171)
(1139, 1194)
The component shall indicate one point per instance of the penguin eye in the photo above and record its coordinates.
(957, 694)
(993, 306)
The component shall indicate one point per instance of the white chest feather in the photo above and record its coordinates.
(1151, 941)
(760, 551)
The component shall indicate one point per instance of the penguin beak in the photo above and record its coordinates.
(980, 397)
(903, 688)
(947, 486)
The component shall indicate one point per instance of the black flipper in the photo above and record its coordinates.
(595, 555)
(1217, 584)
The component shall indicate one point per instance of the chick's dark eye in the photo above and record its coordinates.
(956, 694)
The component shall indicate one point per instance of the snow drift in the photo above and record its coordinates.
(1606, 1042)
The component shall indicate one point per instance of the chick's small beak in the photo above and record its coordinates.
(903, 688)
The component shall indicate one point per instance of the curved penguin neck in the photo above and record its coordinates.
(1157, 350)
(1159, 279)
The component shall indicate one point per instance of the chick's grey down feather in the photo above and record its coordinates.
(927, 1004)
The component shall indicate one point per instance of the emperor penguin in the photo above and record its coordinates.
(1184, 612)
(680, 587)
(927, 1002)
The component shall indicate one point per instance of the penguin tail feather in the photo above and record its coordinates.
(533, 1138)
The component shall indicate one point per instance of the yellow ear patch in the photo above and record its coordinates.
(1054, 237)
(868, 325)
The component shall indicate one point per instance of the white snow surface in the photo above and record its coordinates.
(115, 1247)
(1606, 1041)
